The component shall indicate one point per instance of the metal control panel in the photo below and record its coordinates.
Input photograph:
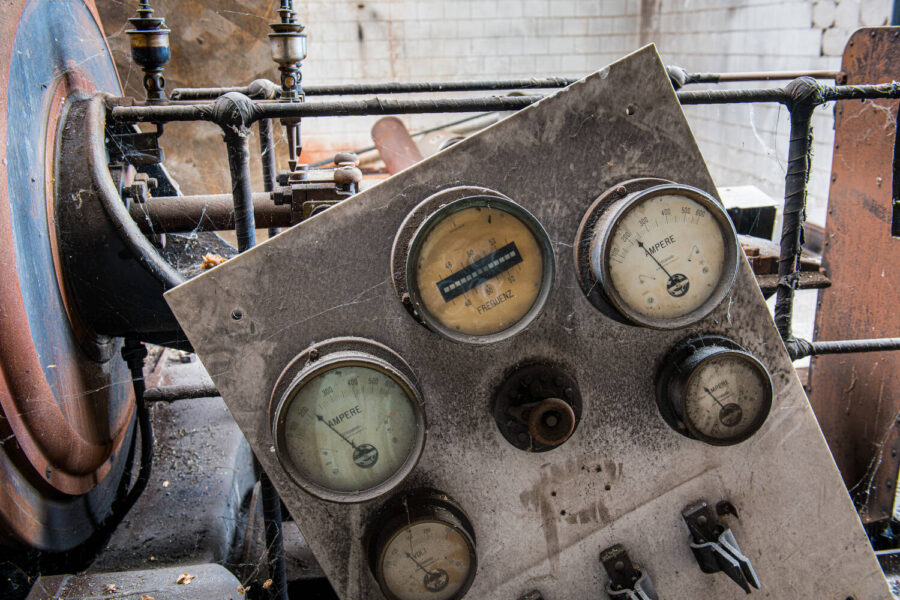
(534, 365)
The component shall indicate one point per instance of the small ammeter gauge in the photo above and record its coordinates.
(713, 390)
(347, 420)
(664, 255)
(473, 265)
(423, 548)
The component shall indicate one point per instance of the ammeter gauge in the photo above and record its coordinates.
(664, 255)
(473, 265)
(713, 390)
(347, 423)
(423, 548)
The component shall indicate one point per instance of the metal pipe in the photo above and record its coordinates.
(759, 76)
(801, 348)
(242, 194)
(534, 83)
(173, 393)
(209, 212)
(269, 166)
(805, 94)
(380, 106)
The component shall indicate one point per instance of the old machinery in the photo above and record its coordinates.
(423, 548)
(473, 265)
(713, 390)
(622, 475)
(348, 423)
(664, 255)
(537, 407)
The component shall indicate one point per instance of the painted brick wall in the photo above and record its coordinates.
(408, 40)
(223, 41)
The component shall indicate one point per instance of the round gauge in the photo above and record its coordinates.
(349, 428)
(665, 256)
(478, 269)
(716, 392)
(424, 549)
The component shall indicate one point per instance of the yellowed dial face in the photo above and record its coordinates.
(427, 560)
(666, 256)
(480, 270)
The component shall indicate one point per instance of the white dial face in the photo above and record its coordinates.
(666, 256)
(727, 397)
(427, 560)
(350, 428)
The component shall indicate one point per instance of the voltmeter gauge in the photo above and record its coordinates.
(713, 390)
(664, 255)
(347, 423)
(423, 548)
(473, 265)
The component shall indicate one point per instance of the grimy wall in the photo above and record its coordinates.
(223, 42)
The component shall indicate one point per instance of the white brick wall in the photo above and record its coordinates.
(407, 40)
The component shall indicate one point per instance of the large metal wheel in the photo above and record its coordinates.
(66, 399)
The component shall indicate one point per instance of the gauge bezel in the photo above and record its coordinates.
(321, 359)
(677, 370)
(419, 224)
(609, 209)
(418, 506)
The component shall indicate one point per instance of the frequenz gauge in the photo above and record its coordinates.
(347, 420)
(472, 265)
(664, 255)
(711, 389)
(422, 547)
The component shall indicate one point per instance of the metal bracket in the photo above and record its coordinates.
(715, 548)
(626, 582)
(135, 148)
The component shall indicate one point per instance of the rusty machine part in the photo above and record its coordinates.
(66, 397)
(857, 398)
(394, 144)
(540, 517)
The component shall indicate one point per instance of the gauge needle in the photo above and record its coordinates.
(647, 252)
(436, 580)
(364, 456)
(706, 389)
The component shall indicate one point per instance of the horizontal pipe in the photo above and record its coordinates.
(380, 106)
(799, 348)
(172, 393)
(212, 212)
(473, 86)
(759, 76)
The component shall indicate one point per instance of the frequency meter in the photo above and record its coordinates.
(473, 265)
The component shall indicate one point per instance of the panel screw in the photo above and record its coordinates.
(237, 314)
(622, 191)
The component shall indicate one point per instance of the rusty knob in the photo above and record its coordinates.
(551, 422)
(347, 175)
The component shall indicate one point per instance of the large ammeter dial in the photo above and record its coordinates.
(348, 424)
(664, 255)
(423, 548)
(713, 390)
(473, 265)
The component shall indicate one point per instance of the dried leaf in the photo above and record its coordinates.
(184, 579)
(267, 584)
(145, 597)
(212, 260)
(243, 590)
(110, 588)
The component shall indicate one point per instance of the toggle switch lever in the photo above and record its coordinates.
(715, 548)
(626, 582)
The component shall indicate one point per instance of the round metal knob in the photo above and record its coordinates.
(551, 422)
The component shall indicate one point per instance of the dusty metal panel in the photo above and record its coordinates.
(624, 476)
(856, 397)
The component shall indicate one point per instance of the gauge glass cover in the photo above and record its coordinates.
(479, 267)
(727, 398)
(348, 427)
(427, 560)
(666, 256)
